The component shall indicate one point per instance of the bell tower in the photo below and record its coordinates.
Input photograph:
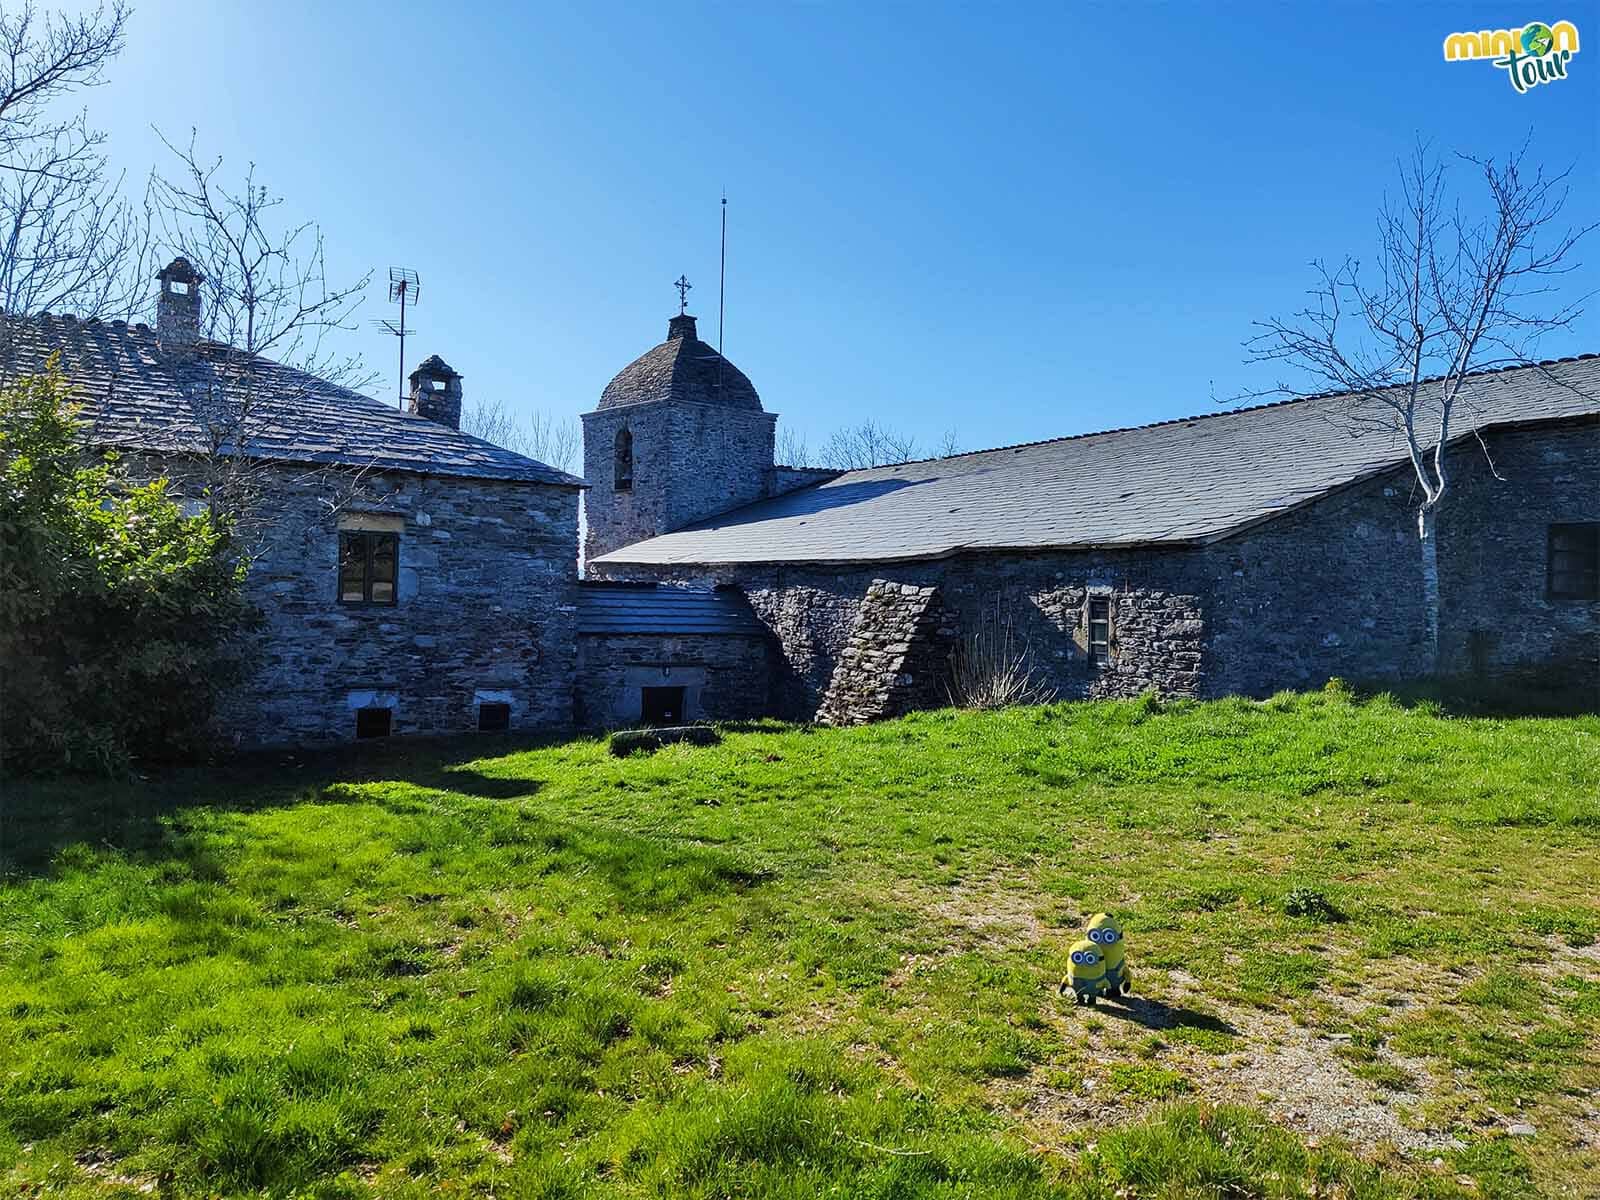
(678, 436)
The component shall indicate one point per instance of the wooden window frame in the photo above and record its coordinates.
(371, 538)
(1572, 582)
(1088, 631)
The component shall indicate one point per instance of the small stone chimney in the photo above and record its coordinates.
(178, 306)
(436, 392)
(681, 326)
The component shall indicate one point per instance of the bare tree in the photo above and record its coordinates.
(867, 445)
(69, 239)
(792, 449)
(1451, 295)
(267, 308)
(544, 437)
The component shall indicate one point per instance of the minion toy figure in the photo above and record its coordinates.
(1106, 935)
(1086, 973)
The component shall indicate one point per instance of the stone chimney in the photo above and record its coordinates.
(436, 392)
(681, 326)
(178, 306)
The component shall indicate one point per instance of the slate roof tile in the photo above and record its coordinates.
(607, 608)
(139, 397)
(1184, 481)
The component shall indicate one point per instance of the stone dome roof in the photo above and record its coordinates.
(682, 368)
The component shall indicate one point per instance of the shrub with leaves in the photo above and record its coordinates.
(120, 617)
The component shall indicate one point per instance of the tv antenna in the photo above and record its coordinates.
(405, 289)
(722, 272)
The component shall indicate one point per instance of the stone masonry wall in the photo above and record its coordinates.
(485, 611)
(1331, 589)
(897, 659)
(1158, 625)
(1335, 588)
(724, 677)
(791, 479)
(1497, 616)
(689, 461)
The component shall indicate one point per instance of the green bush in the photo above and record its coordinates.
(120, 617)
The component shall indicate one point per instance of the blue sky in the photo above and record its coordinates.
(1016, 222)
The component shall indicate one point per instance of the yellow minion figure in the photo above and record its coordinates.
(1106, 935)
(1086, 973)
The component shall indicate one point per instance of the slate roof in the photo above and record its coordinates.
(1187, 481)
(682, 368)
(140, 397)
(630, 608)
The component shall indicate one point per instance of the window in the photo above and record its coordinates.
(368, 565)
(661, 705)
(494, 716)
(373, 722)
(1574, 562)
(624, 478)
(1100, 631)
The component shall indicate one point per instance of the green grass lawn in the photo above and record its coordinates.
(810, 962)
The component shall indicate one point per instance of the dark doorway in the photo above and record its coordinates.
(494, 716)
(661, 705)
(373, 722)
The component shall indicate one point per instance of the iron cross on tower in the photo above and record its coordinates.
(683, 285)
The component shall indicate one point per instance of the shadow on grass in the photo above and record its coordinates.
(1469, 696)
(1153, 1014)
(41, 817)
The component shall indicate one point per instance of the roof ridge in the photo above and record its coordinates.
(1206, 416)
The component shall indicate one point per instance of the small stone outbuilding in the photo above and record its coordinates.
(657, 655)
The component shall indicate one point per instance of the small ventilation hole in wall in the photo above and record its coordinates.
(374, 722)
(494, 717)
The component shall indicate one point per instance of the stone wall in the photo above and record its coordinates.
(485, 608)
(1330, 589)
(725, 677)
(689, 461)
(791, 479)
(1335, 588)
(897, 659)
(1158, 626)
(1496, 614)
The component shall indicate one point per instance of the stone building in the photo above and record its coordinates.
(416, 579)
(678, 435)
(1237, 552)
(412, 578)
(666, 655)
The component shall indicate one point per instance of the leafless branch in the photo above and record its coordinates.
(554, 441)
(1451, 294)
(266, 308)
(866, 445)
(792, 449)
(70, 240)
